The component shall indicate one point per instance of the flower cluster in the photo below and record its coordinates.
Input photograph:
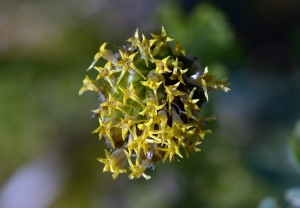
(150, 98)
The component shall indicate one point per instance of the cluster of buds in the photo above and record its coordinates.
(148, 111)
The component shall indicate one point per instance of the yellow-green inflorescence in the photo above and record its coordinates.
(150, 98)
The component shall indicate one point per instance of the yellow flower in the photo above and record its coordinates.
(151, 108)
(171, 149)
(147, 128)
(134, 143)
(89, 84)
(127, 64)
(177, 71)
(190, 105)
(104, 128)
(200, 133)
(157, 113)
(179, 128)
(112, 104)
(178, 49)
(137, 169)
(126, 125)
(145, 49)
(130, 93)
(206, 81)
(172, 92)
(106, 54)
(106, 73)
(161, 119)
(135, 40)
(163, 136)
(162, 66)
(114, 162)
(153, 83)
(190, 146)
(160, 40)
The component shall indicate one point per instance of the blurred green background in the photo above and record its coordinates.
(47, 153)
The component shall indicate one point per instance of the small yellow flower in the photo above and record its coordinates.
(151, 108)
(190, 104)
(148, 129)
(145, 49)
(89, 84)
(173, 92)
(112, 104)
(106, 54)
(104, 128)
(153, 83)
(179, 128)
(130, 93)
(135, 40)
(127, 64)
(160, 40)
(137, 169)
(171, 149)
(164, 136)
(134, 142)
(206, 81)
(106, 73)
(200, 133)
(178, 49)
(162, 66)
(190, 146)
(161, 119)
(177, 71)
(114, 162)
(126, 125)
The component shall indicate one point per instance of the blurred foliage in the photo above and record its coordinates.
(291, 197)
(35, 101)
(294, 146)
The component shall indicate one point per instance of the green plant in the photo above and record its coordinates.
(151, 95)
